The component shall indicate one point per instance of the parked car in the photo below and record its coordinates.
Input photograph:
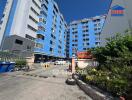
(60, 62)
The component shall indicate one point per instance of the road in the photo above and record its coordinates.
(30, 86)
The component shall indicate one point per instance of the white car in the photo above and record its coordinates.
(60, 62)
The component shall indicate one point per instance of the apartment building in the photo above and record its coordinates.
(84, 34)
(51, 34)
(118, 20)
(19, 25)
(5, 7)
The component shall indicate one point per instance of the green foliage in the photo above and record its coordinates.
(114, 73)
(8, 56)
(118, 51)
(117, 81)
(20, 63)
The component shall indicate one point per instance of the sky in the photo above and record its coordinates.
(79, 9)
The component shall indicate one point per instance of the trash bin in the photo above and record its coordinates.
(10, 67)
(6, 66)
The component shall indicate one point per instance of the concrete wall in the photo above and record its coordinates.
(21, 50)
(117, 24)
(83, 63)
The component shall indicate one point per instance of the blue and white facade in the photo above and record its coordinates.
(42, 26)
(19, 23)
(51, 34)
(4, 14)
(85, 34)
(21, 18)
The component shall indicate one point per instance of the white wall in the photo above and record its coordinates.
(21, 19)
(83, 63)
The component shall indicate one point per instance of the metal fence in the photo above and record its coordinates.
(9, 56)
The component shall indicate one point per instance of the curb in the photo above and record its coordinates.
(93, 93)
(33, 75)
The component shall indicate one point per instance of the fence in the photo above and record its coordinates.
(6, 56)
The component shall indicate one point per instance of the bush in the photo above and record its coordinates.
(114, 73)
(117, 82)
(20, 63)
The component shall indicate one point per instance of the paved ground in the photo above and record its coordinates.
(16, 86)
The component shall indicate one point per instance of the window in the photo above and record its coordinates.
(85, 44)
(39, 36)
(47, 1)
(84, 35)
(74, 45)
(51, 49)
(84, 26)
(85, 30)
(30, 17)
(38, 45)
(36, 4)
(74, 40)
(54, 12)
(59, 47)
(97, 43)
(29, 37)
(84, 48)
(44, 6)
(35, 12)
(51, 42)
(74, 24)
(59, 52)
(55, 8)
(95, 25)
(1, 22)
(86, 39)
(41, 28)
(95, 29)
(29, 48)
(74, 29)
(43, 13)
(96, 20)
(62, 19)
(19, 42)
(42, 20)
(53, 36)
(84, 22)
(31, 28)
(97, 33)
(75, 32)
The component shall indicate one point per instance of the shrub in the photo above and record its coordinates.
(117, 81)
(20, 63)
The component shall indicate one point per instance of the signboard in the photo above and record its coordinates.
(84, 55)
(117, 11)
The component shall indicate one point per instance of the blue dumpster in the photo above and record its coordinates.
(6, 66)
(10, 67)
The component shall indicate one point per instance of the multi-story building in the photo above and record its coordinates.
(38, 25)
(4, 14)
(85, 34)
(68, 43)
(51, 34)
(118, 20)
(19, 25)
